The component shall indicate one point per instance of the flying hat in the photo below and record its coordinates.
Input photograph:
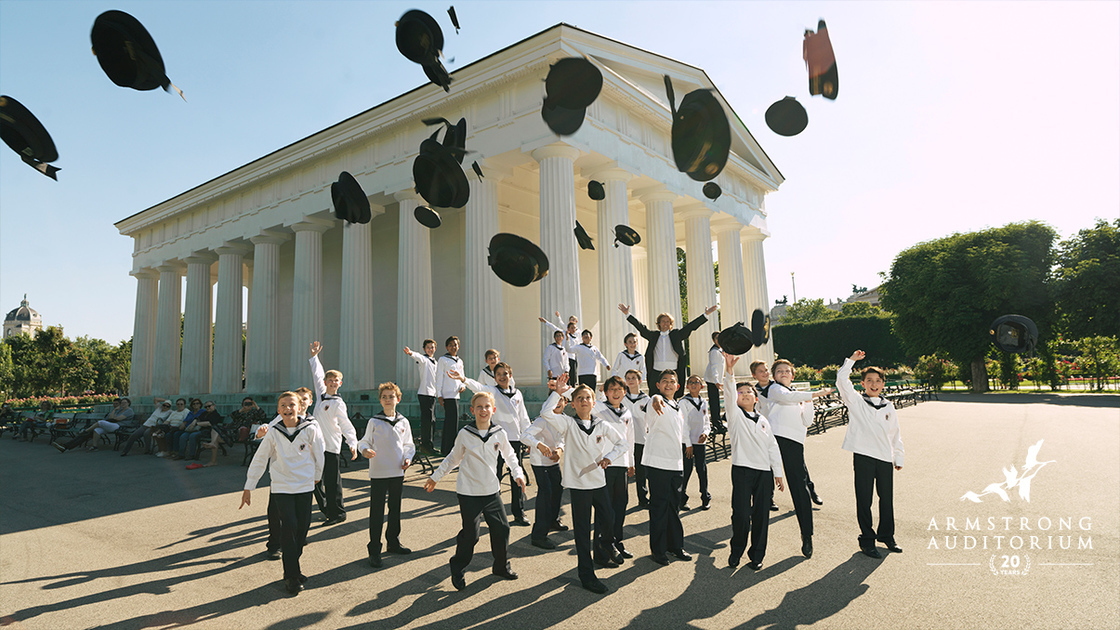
(516, 260)
(787, 117)
(583, 238)
(821, 62)
(420, 40)
(760, 328)
(454, 19)
(595, 190)
(1014, 334)
(439, 177)
(701, 135)
(128, 54)
(736, 339)
(427, 217)
(626, 235)
(350, 201)
(23, 132)
(562, 120)
(712, 191)
(573, 83)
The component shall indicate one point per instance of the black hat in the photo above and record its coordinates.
(626, 235)
(454, 19)
(562, 120)
(787, 117)
(573, 83)
(821, 62)
(712, 191)
(456, 139)
(516, 260)
(420, 40)
(1014, 334)
(22, 131)
(701, 133)
(595, 190)
(583, 238)
(427, 217)
(350, 201)
(437, 74)
(439, 177)
(760, 328)
(736, 339)
(127, 53)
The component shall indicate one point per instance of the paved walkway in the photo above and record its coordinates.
(94, 540)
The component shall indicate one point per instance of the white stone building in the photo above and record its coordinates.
(23, 320)
(367, 290)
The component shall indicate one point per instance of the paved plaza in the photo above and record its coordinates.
(95, 540)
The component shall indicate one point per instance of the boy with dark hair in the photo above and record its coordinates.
(697, 427)
(614, 412)
(388, 446)
(334, 422)
(555, 356)
(636, 401)
(586, 357)
(546, 470)
(426, 390)
(666, 440)
(447, 389)
(629, 359)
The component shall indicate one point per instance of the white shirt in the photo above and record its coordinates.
(871, 432)
(697, 419)
(752, 442)
(586, 356)
(790, 412)
(570, 340)
(587, 442)
(664, 356)
(486, 377)
(623, 422)
(509, 409)
(158, 416)
(427, 367)
(714, 373)
(176, 418)
(556, 360)
(552, 441)
(636, 404)
(330, 413)
(391, 440)
(294, 465)
(476, 455)
(626, 362)
(447, 387)
(665, 435)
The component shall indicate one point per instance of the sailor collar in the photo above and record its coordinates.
(695, 402)
(295, 431)
(473, 430)
(631, 356)
(591, 424)
(393, 421)
(882, 401)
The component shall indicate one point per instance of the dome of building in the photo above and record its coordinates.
(23, 320)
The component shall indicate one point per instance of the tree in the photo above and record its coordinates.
(856, 289)
(110, 363)
(7, 369)
(944, 293)
(806, 311)
(859, 309)
(1088, 281)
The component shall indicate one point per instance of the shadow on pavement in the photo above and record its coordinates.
(1005, 398)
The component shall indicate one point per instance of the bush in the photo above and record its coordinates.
(1009, 365)
(900, 373)
(828, 373)
(806, 373)
(823, 343)
(934, 369)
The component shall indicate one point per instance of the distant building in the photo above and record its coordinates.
(22, 321)
(871, 297)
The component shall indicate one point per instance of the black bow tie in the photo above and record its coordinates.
(867, 399)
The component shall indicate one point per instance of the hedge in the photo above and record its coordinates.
(830, 342)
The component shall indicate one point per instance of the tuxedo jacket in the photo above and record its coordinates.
(677, 337)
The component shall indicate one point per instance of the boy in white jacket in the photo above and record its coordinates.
(698, 424)
(426, 390)
(334, 422)
(388, 446)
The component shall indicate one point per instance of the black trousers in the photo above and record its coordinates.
(751, 493)
(619, 496)
(713, 401)
(138, 434)
(549, 495)
(295, 517)
(699, 461)
(472, 510)
(665, 529)
(517, 495)
(427, 418)
(793, 460)
(273, 525)
(572, 376)
(640, 473)
(590, 380)
(79, 439)
(808, 481)
(379, 490)
(450, 424)
(871, 472)
(582, 503)
(328, 492)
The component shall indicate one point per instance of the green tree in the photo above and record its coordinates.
(859, 309)
(944, 293)
(806, 311)
(1088, 281)
(7, 369)
(110, 363)
(1100, 357)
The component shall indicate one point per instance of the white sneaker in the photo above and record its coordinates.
(161, 454)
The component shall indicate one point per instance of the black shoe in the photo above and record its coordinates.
(706, 504)
(458, 581)
(643, 503)
(616, 557)
(302, 578)
(662, 560)
(375, 560)
(733, 561)
(605, 561)
(622, 551)
(272, 554)
(754, 566)
(681, 554)
(773, 507)
(871, 552)
(335, 520)
(293, 586)
(558, 527)
(398, 549)
(684, 507)
(520, 522)
(61, 448)
(814, 497)
(892, 547)
(505, 574)
(542, 543)
(595, 586)
(807, 546)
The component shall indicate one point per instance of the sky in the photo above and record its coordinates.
(951, 117)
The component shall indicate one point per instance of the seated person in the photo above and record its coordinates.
(194, 410)
(201, 427)
(158, 417)
(101, 427)
(27, 429)
(174, 423)
(243, 419)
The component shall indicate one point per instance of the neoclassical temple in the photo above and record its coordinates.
(262, 239)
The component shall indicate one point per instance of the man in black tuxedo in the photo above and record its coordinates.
(666, 345)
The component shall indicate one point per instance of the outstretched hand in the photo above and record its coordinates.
(658, 405)
(315, 348)
(455, 375)
(711, 309)
(407, 351)
(729, 360)
(858, 355)
(624, 308)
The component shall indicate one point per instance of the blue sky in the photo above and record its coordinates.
(951, 117)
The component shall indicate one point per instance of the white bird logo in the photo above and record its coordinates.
(1013, 478)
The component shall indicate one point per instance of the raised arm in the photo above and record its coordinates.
(317, 376)
(848, 392)
(691, 326)
(551, 325)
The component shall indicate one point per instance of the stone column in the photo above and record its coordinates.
(701, 282)
(262, 373)
(165, 360)
(616, 267)
(307, 296)
(485, 311)
(754, 271)
(414, 289)
(732, 285)
(640, 307)
(195, 377)
(227, 319)
(143, 332)
(664, 283)
(355, 339)
(560, 290)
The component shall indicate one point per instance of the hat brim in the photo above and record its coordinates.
(427, 217)
(573, 83)
(701, 136)
(787, 117)
(126, 52)
(561, 120)
(418, 36)
(439, 178)
(516, 260)
(735, 340)
(23, 132)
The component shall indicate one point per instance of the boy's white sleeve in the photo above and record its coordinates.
(601, 359)
(774, 451)
(706, 420)
(345, 425)
(621, 446)
(896, 443)
(416, 356)
(409, 446)
(553, 326)
(522, 418)
(367, 440)
(317, 376)
(318, 445)
(477, 387)
(451, 461)
(630, 440)
(547, 421)
(785, 396)
(731, 401)
(260, 460)
(441, 376)
(848, 393)
(509, 456)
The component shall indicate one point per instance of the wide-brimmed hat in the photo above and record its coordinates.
(516, 260)
(23, 132)
(736, 339)
(127, 53)
(350, 201)
(701, 135)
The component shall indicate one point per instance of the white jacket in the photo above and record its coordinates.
(665, 436)
(714, 372)
(871, 432)
(556, 360)
(790, 412)
(427, 367)
(476, 455)
(447, 387)
(623, 421)
(752, 442)
(294, 464)
(509, 410)
(587, 443)
(626, 362)
(331, 414)
(636, 405)
(391, 440)
(586, 357)
(697, 418)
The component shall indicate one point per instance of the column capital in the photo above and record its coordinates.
(639, 251)
(609, 174)
(558, 149)
(169, 266)
(268, 237)
(752, 234)
(228, 248)
(697, 210)
(144, 272)
(656, 194)
(312, 224)
(726, 224)
(200, 258)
